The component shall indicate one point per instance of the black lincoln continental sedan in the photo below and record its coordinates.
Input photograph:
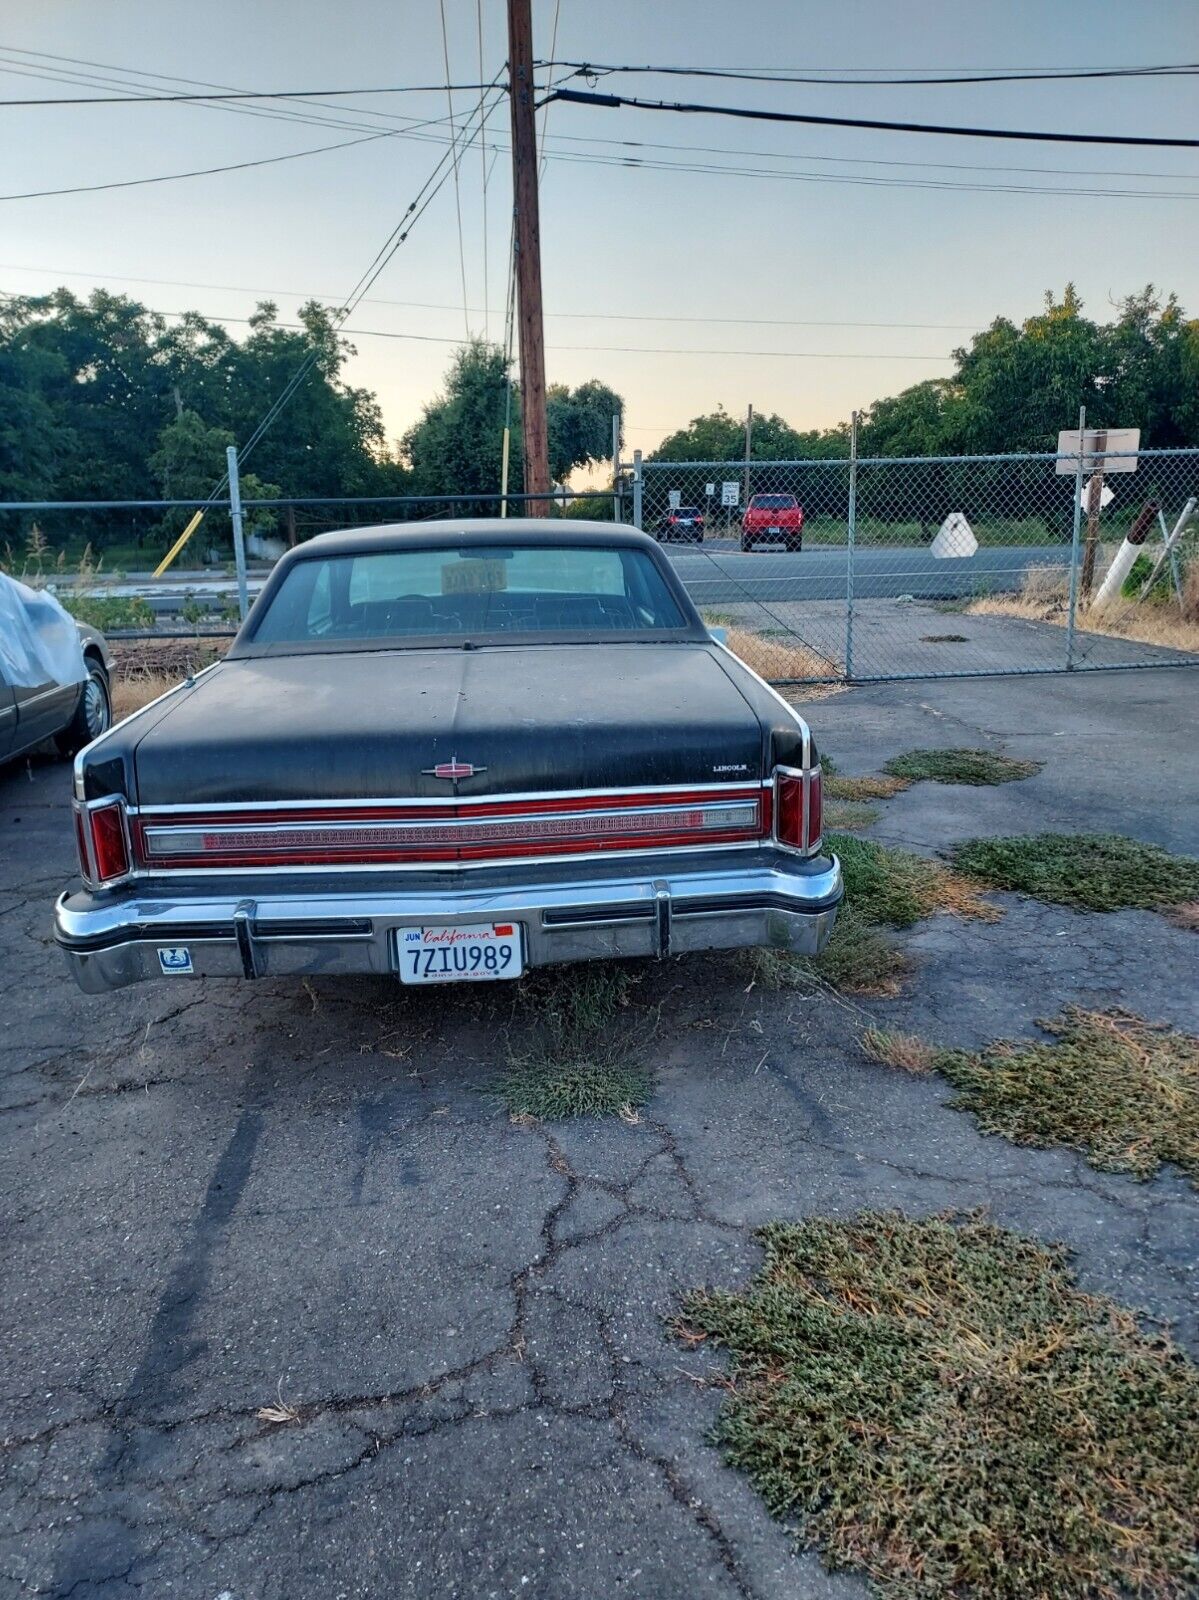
(451, 751)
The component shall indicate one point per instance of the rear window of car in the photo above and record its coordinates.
(469, 592)
(773, 502)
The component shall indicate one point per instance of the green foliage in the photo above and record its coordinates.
(1138, 576)
(1123, 1090)
(935, 1404)
(581, 1060)
(457, 446)
(1090, 871)
(721, 437)
(960, 766)
(117, 611)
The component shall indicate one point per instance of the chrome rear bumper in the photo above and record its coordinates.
(117, 938)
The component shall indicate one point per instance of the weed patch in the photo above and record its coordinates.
(960, 766)
(905, 1051)
(581, 1059)
(1093, 872)
(849, 816)
(897, 888)
(1124, 1091)
(937, 1405)
(858, 959)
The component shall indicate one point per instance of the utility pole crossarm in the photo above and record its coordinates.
(527, 236)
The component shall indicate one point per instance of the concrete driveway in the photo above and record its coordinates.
(219, 1199)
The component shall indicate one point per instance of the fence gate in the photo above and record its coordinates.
(928, 567)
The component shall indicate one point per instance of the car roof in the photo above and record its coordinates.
(472, 530)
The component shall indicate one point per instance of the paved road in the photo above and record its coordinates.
(217, 1195)
(719, 573)
(716, 575)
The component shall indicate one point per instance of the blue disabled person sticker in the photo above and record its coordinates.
(174, 959)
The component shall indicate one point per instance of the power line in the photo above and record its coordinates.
(256, 94)
(486, 174)
(127, 75)
(752, 114)
(618, 349)
(449, 95)
(821, 76)
(199, 172)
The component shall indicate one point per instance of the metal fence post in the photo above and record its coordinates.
(616, 466)
(1075, 542)
(850, 537)
(239, 543)
(637, 488)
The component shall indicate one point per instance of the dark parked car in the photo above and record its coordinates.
(772, 519)
(71, 714)
(452, 750)
(684, 523)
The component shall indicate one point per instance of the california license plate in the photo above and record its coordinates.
(472, 953)
(772, 530)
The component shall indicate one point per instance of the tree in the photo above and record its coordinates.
(457, 446)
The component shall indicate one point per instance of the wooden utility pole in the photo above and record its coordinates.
(1094, 505)
(527, 239)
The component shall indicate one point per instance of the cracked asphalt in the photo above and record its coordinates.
(220, 1198)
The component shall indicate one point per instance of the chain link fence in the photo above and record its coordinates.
(922, 567)
(820, 571)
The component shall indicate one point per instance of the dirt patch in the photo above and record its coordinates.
(937, 1405)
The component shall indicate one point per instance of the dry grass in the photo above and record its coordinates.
(1122, 1090)
(905, 1051)
(1044, 597)
(936, 1405)
(777, 660)
(847, 816)
(872, 787)
(1186, 916)
(131, 694)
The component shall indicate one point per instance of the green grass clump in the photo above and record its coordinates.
(960, 766)
(579, 1060)
(1092, 871)
(848, 816)
(858, 959)
(1124, 1091)
(937, 1405)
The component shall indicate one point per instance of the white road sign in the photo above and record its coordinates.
(1105, 496)
(675, 497)
(1103, 450)
(955, 538)
(709, 489)
(730, 494)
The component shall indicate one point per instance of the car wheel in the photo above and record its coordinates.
(93, 714)
(795, 545)
(747, 543)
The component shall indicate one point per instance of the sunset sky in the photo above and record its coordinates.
(807, 294)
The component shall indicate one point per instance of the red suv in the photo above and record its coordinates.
(772, 519)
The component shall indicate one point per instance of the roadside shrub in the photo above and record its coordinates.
(117, 611)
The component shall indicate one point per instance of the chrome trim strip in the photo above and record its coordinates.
(163, 843)
(336, 867)
(441, 800)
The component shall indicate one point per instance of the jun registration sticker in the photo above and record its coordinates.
(175, 960)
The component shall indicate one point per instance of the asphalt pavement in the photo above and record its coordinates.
(718, 572)
(290, 1310)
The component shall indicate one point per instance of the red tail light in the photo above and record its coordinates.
(103, 842)
(798, 808)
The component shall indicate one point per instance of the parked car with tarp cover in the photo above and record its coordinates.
(54, 673)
